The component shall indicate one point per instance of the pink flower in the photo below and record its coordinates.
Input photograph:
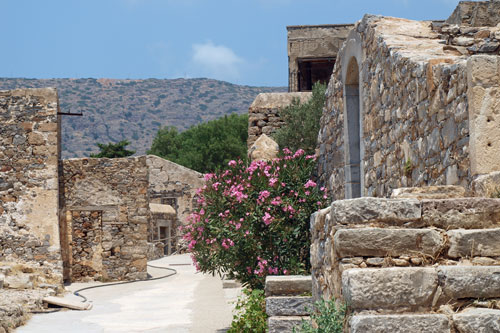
(277, 201)
(209, 176)
(232, 163)
(273, 181)
(238, 226)
(299, 153)
(287, 151)
(267, 218)
(310, 183)
(263, 195)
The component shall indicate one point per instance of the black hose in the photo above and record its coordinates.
(77, 292)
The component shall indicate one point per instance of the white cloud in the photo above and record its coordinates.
(216, 61)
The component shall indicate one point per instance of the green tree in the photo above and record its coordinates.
(204, 147)
(302, 122)
(113, 150)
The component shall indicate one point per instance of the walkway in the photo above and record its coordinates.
(185, 302)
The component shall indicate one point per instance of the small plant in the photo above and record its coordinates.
(326, 318)
(409, 168)
(250, 314)
(496, 193)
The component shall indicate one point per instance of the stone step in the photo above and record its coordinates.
(288, 285)
(381, 242)
(284, 324)
(476, 242)
(289, 305)
(409, 289)
(472, 320)
(407, 323)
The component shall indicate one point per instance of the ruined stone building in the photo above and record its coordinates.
(83, 218)
(312, 52)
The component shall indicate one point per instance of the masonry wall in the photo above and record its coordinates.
(106, 218)
(414, 128)
(264, 113)
(29, 234)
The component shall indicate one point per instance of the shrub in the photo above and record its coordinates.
(113, 150)
(302, 122)
(250, 312)
(327, 318)
(254, 221)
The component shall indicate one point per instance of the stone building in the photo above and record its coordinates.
(411, 104)
(80, 218)
(312, 52)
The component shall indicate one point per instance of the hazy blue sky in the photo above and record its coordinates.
(240, 41)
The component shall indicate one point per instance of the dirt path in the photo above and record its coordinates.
(185, 302)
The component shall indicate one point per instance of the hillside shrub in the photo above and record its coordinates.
(250, 313)
(254, 221)
(302, 122)
(113, 150)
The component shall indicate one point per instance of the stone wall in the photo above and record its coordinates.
(410, 265)
(396, 113)
(311, 42)
(29, 234)
(107, 215)
(264, 113)
(476, 13)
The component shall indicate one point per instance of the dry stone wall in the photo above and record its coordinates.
(409, 265)
(107, 216)
(29, 234)
(412, 113)
(264, 113)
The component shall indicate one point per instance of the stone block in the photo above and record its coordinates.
(379, 242)
(289, 305)
(375, 210)
(467, 213)
(482, 70)
(429, 323)
(469, 281)
(282, 285)
(477, 321)
(470, 243)
(396, 289)
(264, 148)
(284, 324)
(487, 186)
(429, 192)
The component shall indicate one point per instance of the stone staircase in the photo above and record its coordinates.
(411, 264)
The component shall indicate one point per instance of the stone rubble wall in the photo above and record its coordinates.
(29, 235)
(476, 13)
(107, 215)
(466, 40)
(409, 265)
(414, 110)
(264, 113)
(287, 302)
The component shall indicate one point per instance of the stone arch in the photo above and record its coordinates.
(353, 117)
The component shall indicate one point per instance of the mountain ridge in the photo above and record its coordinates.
(134, 109)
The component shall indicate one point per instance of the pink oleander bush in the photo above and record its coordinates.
(253, 221)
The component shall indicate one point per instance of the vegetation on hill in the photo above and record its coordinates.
(205, 147)
(113, 150)
(134, 110)
(302, 122)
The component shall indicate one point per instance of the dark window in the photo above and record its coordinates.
(314, 70)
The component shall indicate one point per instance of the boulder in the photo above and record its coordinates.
(264, 148)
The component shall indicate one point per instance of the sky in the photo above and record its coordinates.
(239, 41)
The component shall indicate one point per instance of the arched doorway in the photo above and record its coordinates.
(353, 136)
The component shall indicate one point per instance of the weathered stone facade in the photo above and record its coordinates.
(264, 113)
(107, 215)
(312, 52)
(398, 263)
(403, 109)
(29, 234)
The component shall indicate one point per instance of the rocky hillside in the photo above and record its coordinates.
(115, 110)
